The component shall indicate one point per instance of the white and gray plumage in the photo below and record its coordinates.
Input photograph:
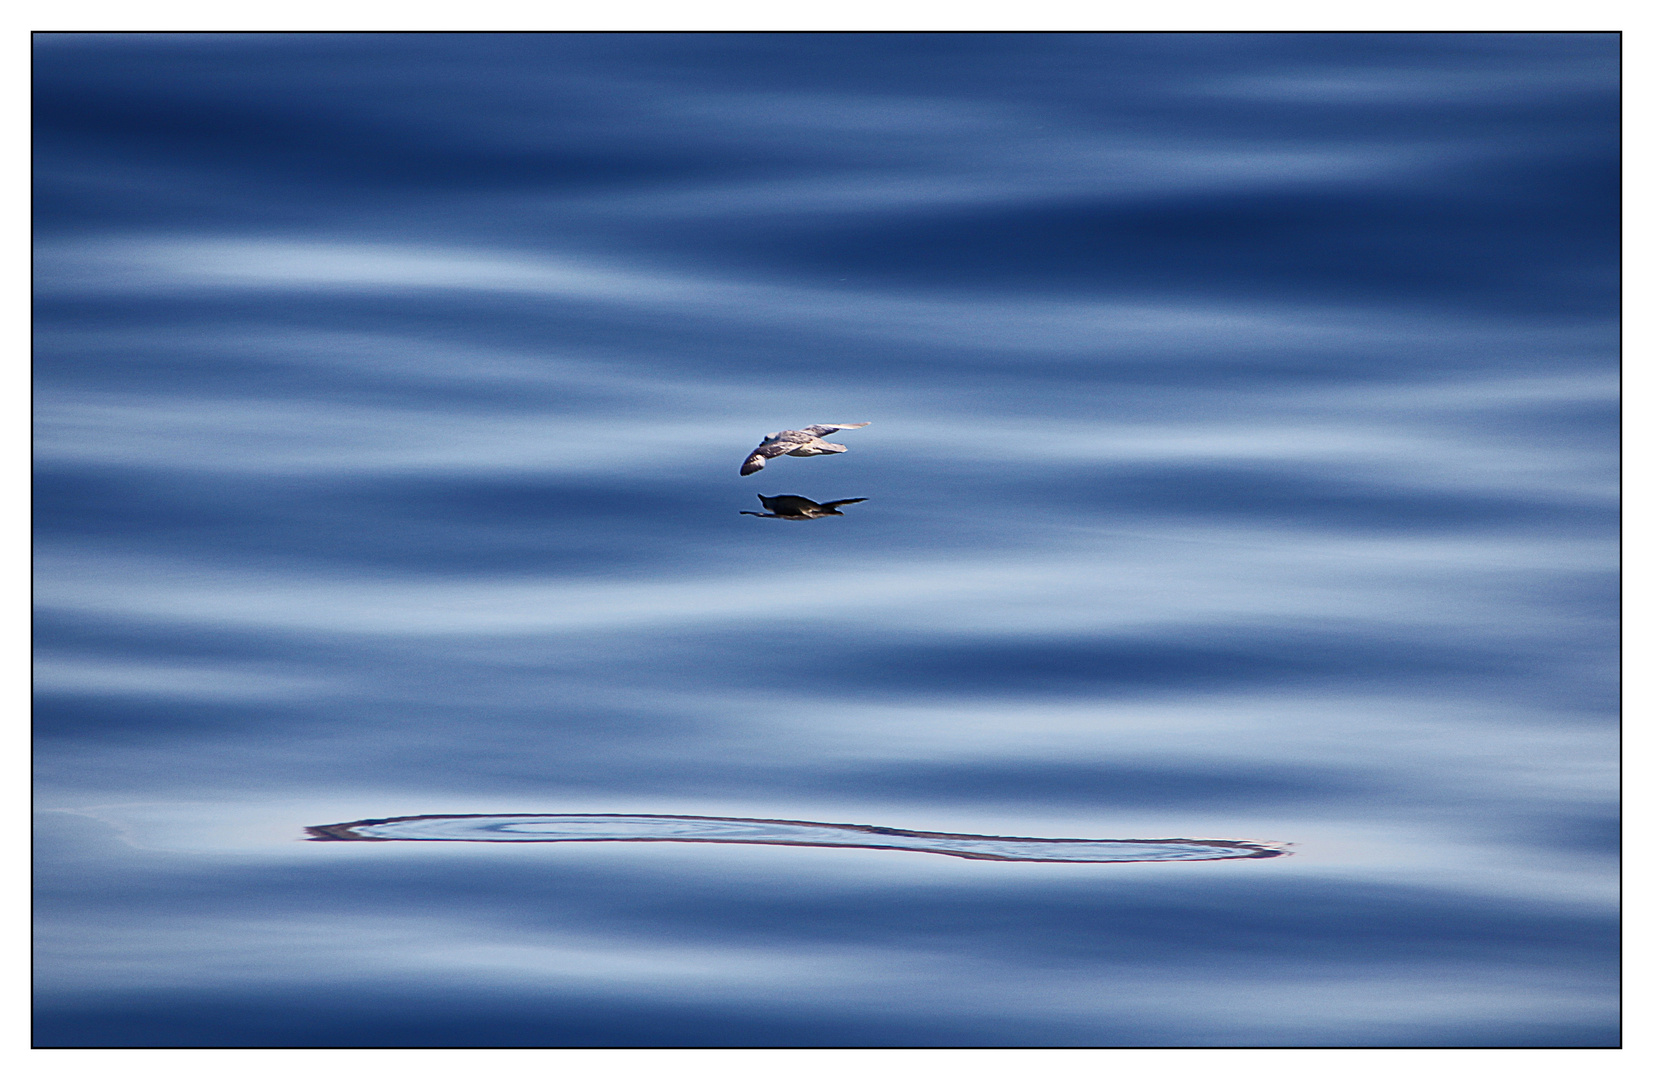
(798, 508)
(804, 442)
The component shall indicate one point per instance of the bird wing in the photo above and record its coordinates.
(828, 429)
(782, 442)
(840, 502)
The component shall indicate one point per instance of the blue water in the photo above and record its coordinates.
(1242, 465)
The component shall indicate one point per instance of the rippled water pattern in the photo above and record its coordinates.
(1240, 461)
(545, 828)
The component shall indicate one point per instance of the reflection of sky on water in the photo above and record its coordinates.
(1242, 465)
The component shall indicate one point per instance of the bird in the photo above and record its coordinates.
(798, 508)
(804, 442)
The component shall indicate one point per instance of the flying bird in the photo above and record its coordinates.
(805, 442)
(798, 508)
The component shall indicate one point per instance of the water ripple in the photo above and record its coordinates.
(554, 828)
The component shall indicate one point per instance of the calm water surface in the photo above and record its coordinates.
(1242, 465)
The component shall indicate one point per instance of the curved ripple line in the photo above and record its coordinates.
(685, 828)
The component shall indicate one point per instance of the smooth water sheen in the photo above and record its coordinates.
(547, 828)
(1241, 461)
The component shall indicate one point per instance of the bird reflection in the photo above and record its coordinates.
(804, 442)
(798, 508)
